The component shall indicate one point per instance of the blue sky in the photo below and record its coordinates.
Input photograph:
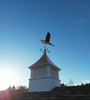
(24, 22)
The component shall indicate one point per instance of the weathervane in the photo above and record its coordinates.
(46, 41)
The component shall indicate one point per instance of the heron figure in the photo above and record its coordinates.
(47, 39)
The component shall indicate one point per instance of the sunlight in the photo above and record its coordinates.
(7, 78)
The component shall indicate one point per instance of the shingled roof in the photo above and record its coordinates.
(44, 60)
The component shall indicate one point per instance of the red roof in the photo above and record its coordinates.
(44, 60)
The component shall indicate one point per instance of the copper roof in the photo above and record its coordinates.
(44, 60)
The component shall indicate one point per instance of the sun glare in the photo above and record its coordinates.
(7, 78)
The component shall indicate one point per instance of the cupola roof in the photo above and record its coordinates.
(44, 60)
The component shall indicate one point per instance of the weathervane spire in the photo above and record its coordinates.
(46, 41)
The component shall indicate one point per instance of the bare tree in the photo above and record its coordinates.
(71, 82)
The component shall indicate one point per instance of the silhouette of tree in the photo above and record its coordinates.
(63, 85)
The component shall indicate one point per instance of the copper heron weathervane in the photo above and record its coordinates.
(47, 39)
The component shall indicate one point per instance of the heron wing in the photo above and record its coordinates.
(47, 37)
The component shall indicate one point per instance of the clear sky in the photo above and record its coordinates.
(24, 22)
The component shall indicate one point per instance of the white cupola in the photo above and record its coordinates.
(44, 75)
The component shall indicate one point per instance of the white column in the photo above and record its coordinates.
(58, 75)
(48, 71)
(31, 74)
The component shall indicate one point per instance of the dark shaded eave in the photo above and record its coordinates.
(44, 60)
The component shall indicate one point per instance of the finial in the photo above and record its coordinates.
(45, 50)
